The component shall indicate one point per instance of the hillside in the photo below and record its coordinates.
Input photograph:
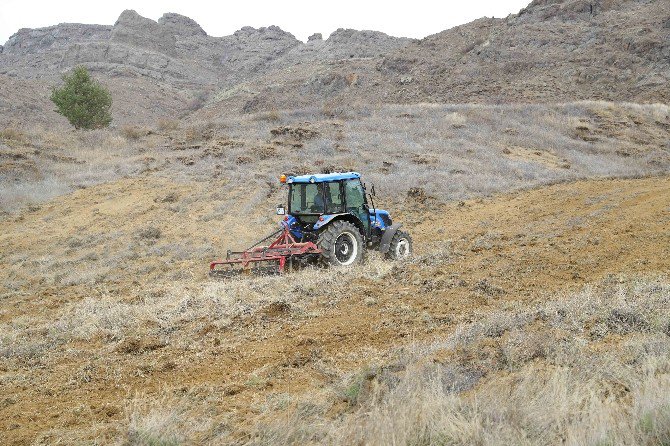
(110, 330)
(165, 68)
(449, 152)
(557, 51)
(527, 156)
(224, 357)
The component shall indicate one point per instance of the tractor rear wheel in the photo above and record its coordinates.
(401, 246)
(341, 244)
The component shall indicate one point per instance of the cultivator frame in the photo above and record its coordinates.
(271, 259)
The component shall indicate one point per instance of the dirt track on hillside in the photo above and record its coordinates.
(473, 256)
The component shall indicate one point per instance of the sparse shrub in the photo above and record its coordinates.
(625, 320)
(168, 125)
(197, 102)
(83, 101)
(456, 120)
(133, 132)
(154, 426)
(269, 116)
(422, 158)
(417, 194)
(328, 111)
(149, 233)
(13, 134)
(265, 152)
(200, 132)
(299, 133)
(352, 392)
(169, 198)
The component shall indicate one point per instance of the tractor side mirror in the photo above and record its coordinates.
(281, 210)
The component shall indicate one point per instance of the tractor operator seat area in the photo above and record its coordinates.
(310, 200)
(307, 199)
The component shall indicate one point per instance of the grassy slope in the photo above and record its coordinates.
(450, 151)
(107, 317)
(75, 354)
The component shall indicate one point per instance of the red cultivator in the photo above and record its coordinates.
(271, 259)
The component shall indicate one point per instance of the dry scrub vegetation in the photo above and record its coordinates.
(587, 369)
(151, 352)
(450, 151)
(590, 368)
(535, 317)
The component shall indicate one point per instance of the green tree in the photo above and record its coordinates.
(83, 101)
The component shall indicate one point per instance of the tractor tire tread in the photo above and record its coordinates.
(328, 237)
(399, 235)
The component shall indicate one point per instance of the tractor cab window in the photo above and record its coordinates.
(334, 198)
(356, 204)
(306, 198)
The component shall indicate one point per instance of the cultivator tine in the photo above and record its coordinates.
(263, 260)
(225, 273)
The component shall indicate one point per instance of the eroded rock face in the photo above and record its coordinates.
(27, 41)
(253, 50)
(134, 30)
(343, 44)
(181, 26)
(364, 43)
(270, 33)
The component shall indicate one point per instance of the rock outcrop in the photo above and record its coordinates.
(30, 41)
(181, 26)
(134, 30)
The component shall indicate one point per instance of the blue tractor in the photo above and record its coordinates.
(329, 220)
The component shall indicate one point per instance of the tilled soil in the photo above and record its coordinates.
(471, 257)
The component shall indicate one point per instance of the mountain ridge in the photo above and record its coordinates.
(551, 51)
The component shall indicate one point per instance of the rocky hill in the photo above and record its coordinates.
(166, 67)
(553, 50)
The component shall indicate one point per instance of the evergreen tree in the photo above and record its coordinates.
(83, 101)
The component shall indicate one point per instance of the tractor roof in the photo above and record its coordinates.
(324, 177)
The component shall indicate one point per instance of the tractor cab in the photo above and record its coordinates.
(319, 204)
(316, 200)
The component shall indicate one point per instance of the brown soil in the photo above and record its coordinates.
(473, 256)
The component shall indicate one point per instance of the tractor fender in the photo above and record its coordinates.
(324, 220)
(388, 235)
(328, 218)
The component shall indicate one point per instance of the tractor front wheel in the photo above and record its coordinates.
(401, 246)
(341, 244)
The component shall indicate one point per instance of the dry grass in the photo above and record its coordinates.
(168, 125)
(270, 116)
(602, 351)
(182, 309)
(133, 132)
(467, 144)
(588, 369)
(52, 162)
(449, 151)
(13, 134)
(163, 422)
